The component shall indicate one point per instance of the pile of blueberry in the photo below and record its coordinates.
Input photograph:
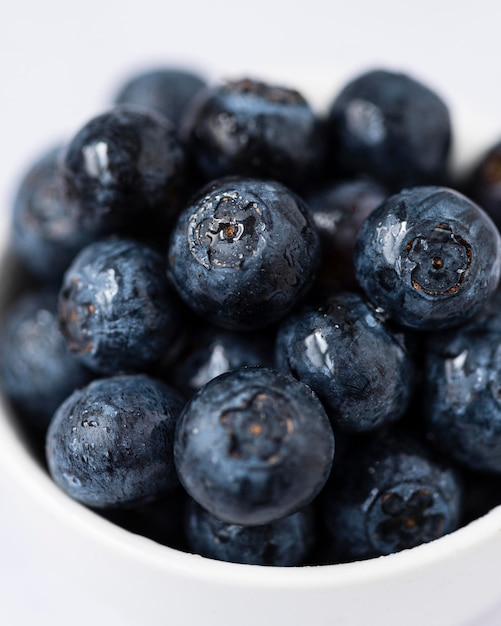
(258, 332)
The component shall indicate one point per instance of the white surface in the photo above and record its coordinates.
(61, 61)
(60, 64)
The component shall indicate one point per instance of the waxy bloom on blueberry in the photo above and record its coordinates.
(429, 257)
(123, 171)
(251, 128)
(244, 253)
(390, 126)
(389, 493)
(253, 445)
(462, 381)
(117, 310)
(111, 443)
(359, 366)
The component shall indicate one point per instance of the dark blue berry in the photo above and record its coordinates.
(244, 253)
(124, 172)
(483, 184)
(429, 257)
(251, 128)
(111, 443)
(359, 367)
(162, 520)
(387, 494)
(45, 235)
(167, 90)
(253, 445)
(463, 392)
(210, 351)
(37, 371)
(392, 127)
(116, 308)
(285, 542)
(481, 493)
(338, 211)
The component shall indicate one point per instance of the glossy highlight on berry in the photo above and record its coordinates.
(244, 253)
(253, 446)
(117, 310)
(429, 257)
(252, 128)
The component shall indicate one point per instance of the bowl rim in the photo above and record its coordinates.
(34, 479)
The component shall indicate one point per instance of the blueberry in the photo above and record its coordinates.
(210, 351)
(338, 210)
(251, 128)
(285, 542)
(284, 211)
(162, 520)
(37, 371)
(124, 172)
(487, 320)
(390, 126)
(253, 446)
(463, 393)
(45, 235)
(387, 494)
(116, 308)
(483, 185)
(244, 253)
(481, 493)
(360, 368)
(429, 257)
(167, 90)
(111, 443)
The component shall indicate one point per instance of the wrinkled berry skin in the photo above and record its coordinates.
(37, 371)
(285, 542)
(358, 366)
(45, 235)
(392, 127)
(165, 90)
(124, 171)
(111, 443)
(463, 393)
(387, 494)
(253, 446)
(244, 253)
(210, 351)
(250, 128)
(117, 310)
(429, 257)
(338, 211)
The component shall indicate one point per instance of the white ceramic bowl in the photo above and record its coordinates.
(62, 564)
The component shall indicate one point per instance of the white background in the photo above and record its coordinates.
(61, 63)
